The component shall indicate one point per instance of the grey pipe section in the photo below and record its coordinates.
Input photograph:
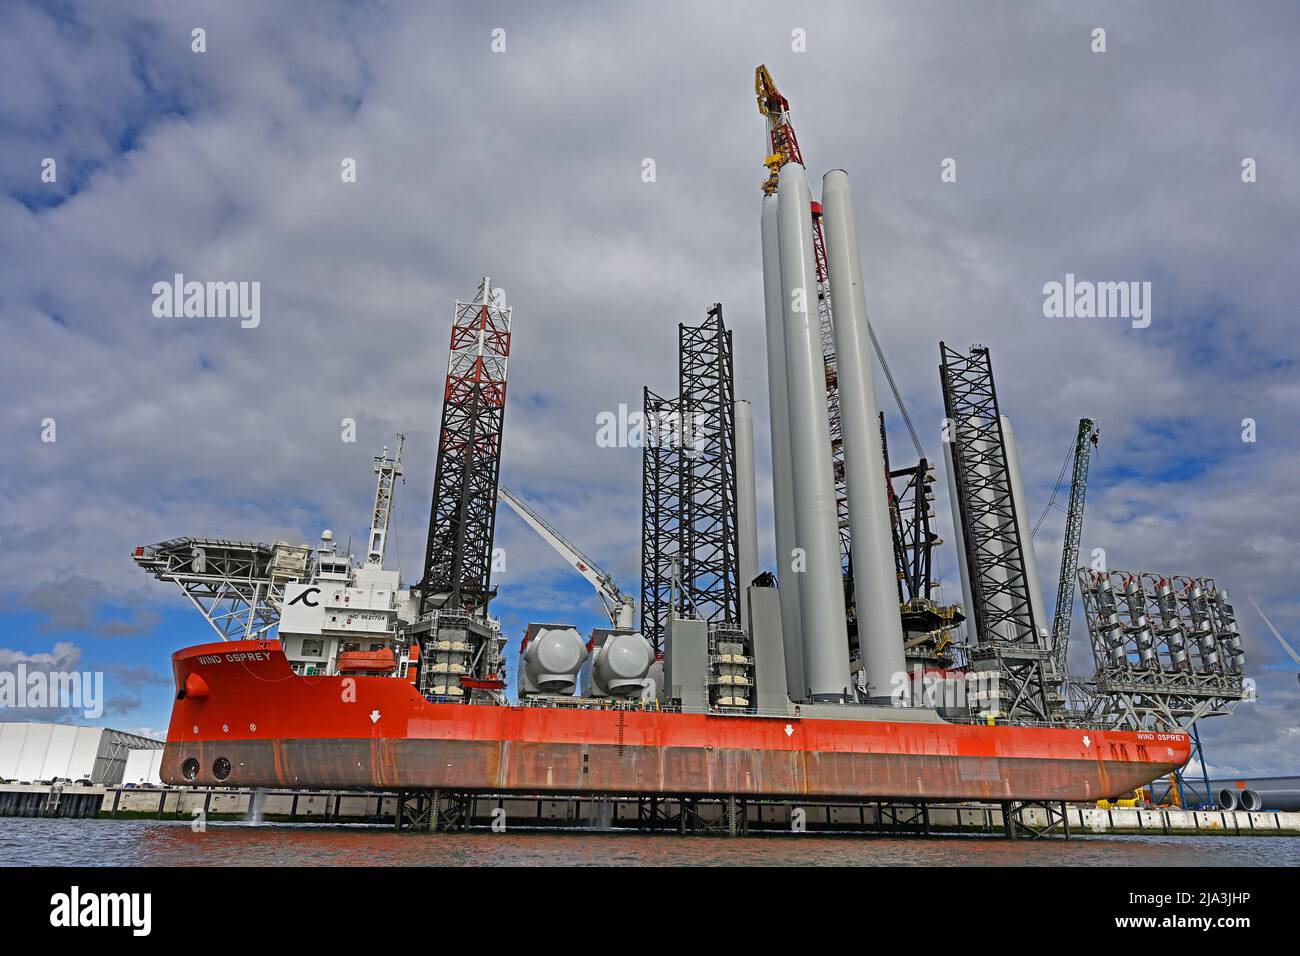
(746, 506)
(782, 464)
(1035, 586)
(1286, 800)
(875, 576)
(1258, 798)
(825, 630)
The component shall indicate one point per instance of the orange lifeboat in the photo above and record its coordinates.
(383, 662)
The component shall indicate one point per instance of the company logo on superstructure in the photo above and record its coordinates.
(77, 909)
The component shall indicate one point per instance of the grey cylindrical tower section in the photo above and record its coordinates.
(875, 575)
(825, 631)
(1023, 528)
(958, 538)
(746, 507)
(782, 465)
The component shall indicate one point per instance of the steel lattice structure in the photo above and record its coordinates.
(994, 552)
(462, 520)
(710, 566)
(914, 548)
(660, 514)
(832, 389)
(689, 547)
(909, 517)
(1167, 649)
(927, 625)
(1086, 436)
(387, 470)
(1006, 632)
(238, 586)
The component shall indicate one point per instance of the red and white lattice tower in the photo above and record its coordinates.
(458, 556)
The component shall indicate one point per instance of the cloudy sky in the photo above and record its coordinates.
(526, 164)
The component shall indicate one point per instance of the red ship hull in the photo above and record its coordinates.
(243, 705)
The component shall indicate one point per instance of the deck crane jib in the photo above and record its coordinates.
(619, 606)
(1084, 442)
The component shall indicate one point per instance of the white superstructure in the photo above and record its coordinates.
(334, 613)
(345, 619)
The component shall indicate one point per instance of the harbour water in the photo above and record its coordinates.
(70, 842)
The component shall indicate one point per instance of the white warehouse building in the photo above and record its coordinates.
(31, 751)
(143, 766)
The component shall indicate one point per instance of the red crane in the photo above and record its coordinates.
(775, 108)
